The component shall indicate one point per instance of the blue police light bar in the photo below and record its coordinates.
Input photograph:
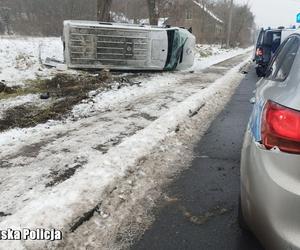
(298, 18)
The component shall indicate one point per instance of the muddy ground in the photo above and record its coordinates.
(61, 94)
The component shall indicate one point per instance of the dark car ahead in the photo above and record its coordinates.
(267, 43)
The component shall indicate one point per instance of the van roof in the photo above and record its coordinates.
(115, 25)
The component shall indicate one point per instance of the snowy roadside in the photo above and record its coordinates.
(21, 67)
(128, 207)
(217, 55)
(20, 58)
(99, 142)
(35, 159)
(65, 204)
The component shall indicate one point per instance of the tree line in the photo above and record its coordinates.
(45, 17)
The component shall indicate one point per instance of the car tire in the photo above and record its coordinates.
(241, 220)
(259, 72)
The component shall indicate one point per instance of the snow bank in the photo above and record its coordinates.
(20, 57)
(60, 207)
(208, 55)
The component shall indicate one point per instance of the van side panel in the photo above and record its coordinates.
(115, 47)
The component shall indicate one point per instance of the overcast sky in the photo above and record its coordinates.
(274, 13)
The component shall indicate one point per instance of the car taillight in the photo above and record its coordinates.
(259, 52)
(281, 128)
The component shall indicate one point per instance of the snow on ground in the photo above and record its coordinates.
(104, 136)
(209, 54)
(206, 50)
(21, 62)
(20, 58)
(129, 205)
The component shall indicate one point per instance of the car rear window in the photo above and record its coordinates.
(288, 61)
(260, 37)
(282, 63)
(276, 36)
(271, 37)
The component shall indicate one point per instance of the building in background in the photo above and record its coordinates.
(206, 26)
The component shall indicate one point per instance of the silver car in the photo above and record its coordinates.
(270, 163)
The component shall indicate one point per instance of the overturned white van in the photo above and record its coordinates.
(94, 45)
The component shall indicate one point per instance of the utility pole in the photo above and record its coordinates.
(229, 25)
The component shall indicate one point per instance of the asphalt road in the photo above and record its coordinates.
(202, 210)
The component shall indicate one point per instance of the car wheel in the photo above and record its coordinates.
(259, 72)
(241, 220)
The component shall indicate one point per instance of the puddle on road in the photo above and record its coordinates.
(198, 219)
(205, 217)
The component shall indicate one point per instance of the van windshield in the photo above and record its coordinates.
(176, 41)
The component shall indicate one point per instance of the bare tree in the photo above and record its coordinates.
(153, 12)
(242, 22)
(103, 10)
(45, 17)
(5, 19)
